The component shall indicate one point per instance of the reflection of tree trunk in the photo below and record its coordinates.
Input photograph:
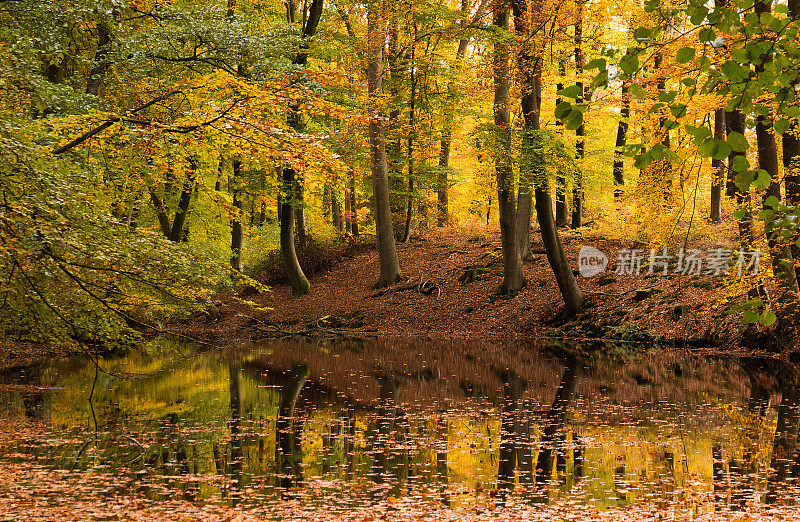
(511, 432)
(784, 449)
(619, 481)
(288, 452)
(441, 458)
(235, 464)
(720, 480)
(389, 394)
(577, 456)
(556, 419)
(744, 474)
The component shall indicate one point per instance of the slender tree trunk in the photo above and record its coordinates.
(561, 177)
(735, 122)
(387, 251)
(622, 140)
(300, 213)
(288, 451)
(338, 222)
(326, 201)
(580, 133)
(353, 204)
(236, 220)
(179, 222)
(531, 67)
(442, 184)
(297, 279)
(513, 276)
(348, 222)
(411, 134)
(237, 456)
(100, 63)
(718, 166)
(161, 213)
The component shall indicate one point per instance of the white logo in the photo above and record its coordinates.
(591, 261)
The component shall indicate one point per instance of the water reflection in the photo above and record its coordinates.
(449, 425)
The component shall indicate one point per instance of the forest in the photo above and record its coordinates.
(514, 259)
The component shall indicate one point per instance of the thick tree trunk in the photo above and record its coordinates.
(300, 213)
(387, 251)
(618, 169)
(513, 277)
(291, 265)
(236, 220)
(718, 166)
(161, 213)
(326, 201)
(580, 133)
(561, 177)
(780, 252)
(791, 148)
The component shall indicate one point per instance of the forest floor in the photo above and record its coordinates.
(451, 292)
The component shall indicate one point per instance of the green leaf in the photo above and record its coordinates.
(685, 54)
(738, 142)
(562, 110)
(678, 110)
(750, 317)
(763, 179)
(781, 126)
(573, 91)
(597, 63)
(743, 181)
(707, 34)
(768, 318)
(637, 91)
(641, 33)
(740, 164)
(629, 63)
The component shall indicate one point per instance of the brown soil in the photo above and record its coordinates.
(680, 309)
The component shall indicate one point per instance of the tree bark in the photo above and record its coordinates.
(580, 133)
(412, 98)
(735, 122)
(561, 177)
(338, 222)
(718, 166)
(780, 253)
(353, 204)
(442, 184)
(513, 277)
(531, 67)
(297, 279)
(236, 220)
(618, 169)
(387, 251)
(100, 63)
(178, 223)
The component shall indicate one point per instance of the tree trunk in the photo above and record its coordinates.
(348, 224)
(100, 63)
(735, 122)
(580, 133)
(719, 169)
(297, 279)
(411, 126)
(288, 451)
(531, 67)
(780, 253)
(622, 140)
(338, 223)
(300, 212)
(353, 204)
(178, 223)
(236, 220)
(326, 201)
(447, 130)
(791, 148)
(561, 177)
(387, 251)
(513, 277)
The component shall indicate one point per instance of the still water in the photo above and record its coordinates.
(401, 430)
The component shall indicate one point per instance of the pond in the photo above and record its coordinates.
(399, 429)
